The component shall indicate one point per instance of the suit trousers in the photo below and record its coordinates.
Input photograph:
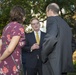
(24, 68)
(33, 71)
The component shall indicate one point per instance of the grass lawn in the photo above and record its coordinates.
(71, 73)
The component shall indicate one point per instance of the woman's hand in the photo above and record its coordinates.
(0, 44)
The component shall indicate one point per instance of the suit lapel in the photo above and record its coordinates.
(33, 37)
(41, 38)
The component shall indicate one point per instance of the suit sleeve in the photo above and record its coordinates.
(50, 39)
(26, 48)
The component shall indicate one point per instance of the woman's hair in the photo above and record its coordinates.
(17, 13)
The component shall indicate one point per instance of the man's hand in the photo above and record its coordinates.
(34, 46)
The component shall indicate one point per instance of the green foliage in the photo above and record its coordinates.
(75, 65)
(71, 73)
(74, 73)
(37, 8)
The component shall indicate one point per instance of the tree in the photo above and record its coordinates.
(37, 8)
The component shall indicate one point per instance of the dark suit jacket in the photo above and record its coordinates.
(57, 48)
(28, 57)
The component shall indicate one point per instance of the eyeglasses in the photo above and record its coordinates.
(35, 23)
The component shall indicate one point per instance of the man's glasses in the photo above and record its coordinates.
(35, 23)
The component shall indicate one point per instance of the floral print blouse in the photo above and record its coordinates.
(7, 66)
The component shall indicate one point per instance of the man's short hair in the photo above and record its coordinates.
(34, 18)
(53, 7)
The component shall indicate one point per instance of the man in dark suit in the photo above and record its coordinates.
(57, 47)
(31, 53)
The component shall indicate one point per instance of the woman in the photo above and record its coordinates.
(11, 42)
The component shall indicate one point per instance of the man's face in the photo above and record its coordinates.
(35, 25)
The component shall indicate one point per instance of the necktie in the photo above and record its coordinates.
(37, 38)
